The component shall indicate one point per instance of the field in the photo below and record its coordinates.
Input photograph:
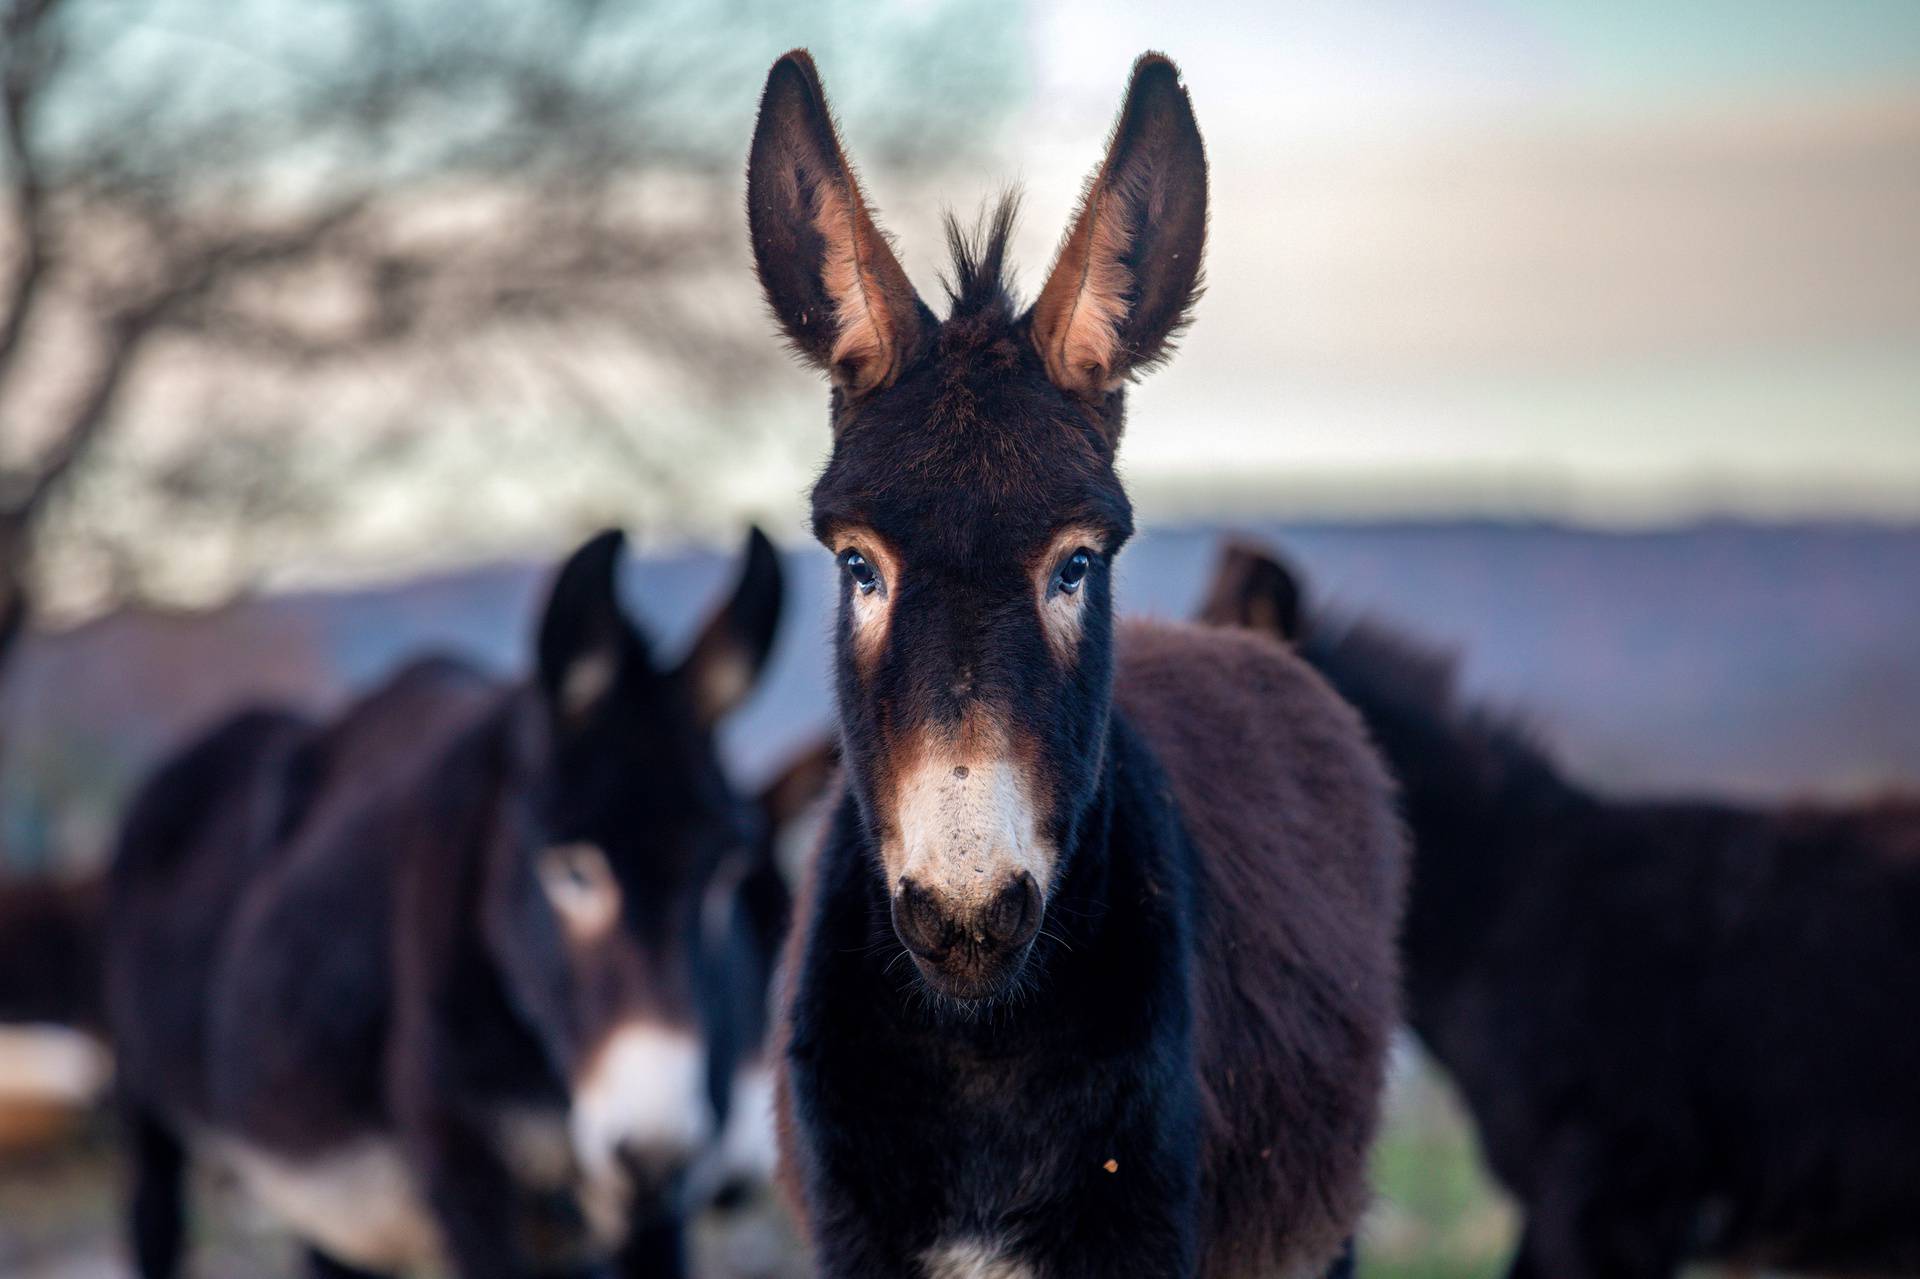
(1436, 1218)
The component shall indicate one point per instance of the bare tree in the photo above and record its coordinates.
(412, 194)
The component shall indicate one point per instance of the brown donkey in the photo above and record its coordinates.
(1684, 1026)
(1094, 973)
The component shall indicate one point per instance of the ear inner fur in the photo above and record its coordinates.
(865, 342)
(1084, 303)
(1123, 283)
(874, 307)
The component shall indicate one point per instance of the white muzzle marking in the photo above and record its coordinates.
(646, 1088)
(749, 1149)
(966, 827)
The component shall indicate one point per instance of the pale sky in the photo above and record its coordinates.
(1621, 262)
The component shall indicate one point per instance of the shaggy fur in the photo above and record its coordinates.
(1684, 1027)
(1149, 1039)
(337, 946)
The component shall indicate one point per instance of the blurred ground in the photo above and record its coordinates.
(1436, 1218)
(60, 1219)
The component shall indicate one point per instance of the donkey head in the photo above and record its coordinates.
(972, 503)
(598, 922)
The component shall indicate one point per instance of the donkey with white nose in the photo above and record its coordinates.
(1094, 973)
(433, 977)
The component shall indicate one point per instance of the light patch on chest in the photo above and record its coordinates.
(55, 1065)
(358, 1202)
(750, 1148)
(973, 1259)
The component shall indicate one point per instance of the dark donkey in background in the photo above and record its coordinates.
(1686, 1029)
(1094, 972)
(433, 977)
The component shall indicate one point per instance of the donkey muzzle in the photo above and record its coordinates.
(968, 947)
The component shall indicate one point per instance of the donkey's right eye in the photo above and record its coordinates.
(860, 571)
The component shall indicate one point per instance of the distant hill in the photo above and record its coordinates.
(1755, 659)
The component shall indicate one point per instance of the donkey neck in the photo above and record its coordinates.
(1489, 811)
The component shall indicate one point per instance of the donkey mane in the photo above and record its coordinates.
(982, 303)
(1419, 681)
(977, 285)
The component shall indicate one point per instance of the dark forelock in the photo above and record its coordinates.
(977, 286)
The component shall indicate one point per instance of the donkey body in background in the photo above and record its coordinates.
(1685, 1028)
(750, 905)
(432, 977)
(1094, 972)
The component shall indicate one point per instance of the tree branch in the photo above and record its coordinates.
(87, 419)
(25, 64)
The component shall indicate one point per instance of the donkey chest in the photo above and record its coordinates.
(361, 1199)
(966, 1140)
(358, 1200)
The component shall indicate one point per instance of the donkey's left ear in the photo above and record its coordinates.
(1129, 268)
(726, 660)
(829, 274)
(585, 638)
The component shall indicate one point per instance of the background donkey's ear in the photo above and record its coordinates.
(829, 273)
(727, 658)
(1253, 588)
(1129, 269)
(585, 638)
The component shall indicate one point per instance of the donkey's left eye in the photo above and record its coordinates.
(1074, 571)
(860, 571)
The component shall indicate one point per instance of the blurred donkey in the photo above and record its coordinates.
(434, 978)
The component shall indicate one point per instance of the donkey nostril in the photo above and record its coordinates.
(918, 922)
(655, 1170)
(1014, 915)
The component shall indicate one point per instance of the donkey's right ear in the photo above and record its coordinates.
(731, 650)
(1254, 589)
(1129, 270)
(829, 274)
(585, 639)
